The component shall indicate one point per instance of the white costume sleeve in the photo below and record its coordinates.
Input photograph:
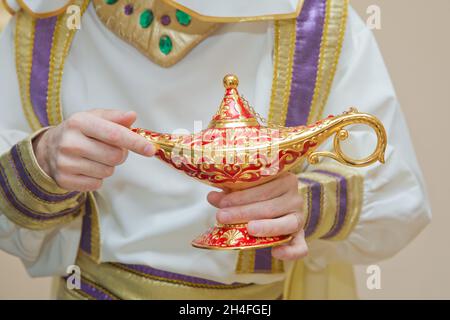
(395, 207)
(44, 251)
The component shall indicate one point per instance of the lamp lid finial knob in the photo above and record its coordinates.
(230, 81)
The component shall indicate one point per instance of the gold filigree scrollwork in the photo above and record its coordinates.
(351, 117)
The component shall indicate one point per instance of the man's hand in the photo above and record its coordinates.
(84, 149)
(271, 209)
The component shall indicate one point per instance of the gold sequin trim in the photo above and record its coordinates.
(284, 48)
(24, 43)
(331, 47)
(62, 41)
(185, 283)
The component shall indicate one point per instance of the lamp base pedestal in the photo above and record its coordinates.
(235, 237)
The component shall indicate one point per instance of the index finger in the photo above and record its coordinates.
(116, 135)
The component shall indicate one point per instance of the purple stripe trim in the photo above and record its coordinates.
(93, 291)
(23, 209)
(263, 259)
(310, 25)
(43, 39)
(85, 241)
(172, 276)
(31, 185)
(342, 196)
(314, 214)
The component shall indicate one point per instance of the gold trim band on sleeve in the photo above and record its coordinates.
(345, 213)
(325, 204)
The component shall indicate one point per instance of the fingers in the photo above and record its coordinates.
(125, 119)
(296, 249)
(112, 133)
(84, 149)
(272, 209)
(284, 225)
(267, 191)
(80, 183)
(260, 210)
(214, 198)
(94, 150)
(81, 166)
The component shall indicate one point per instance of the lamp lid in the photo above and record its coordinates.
(233, 111)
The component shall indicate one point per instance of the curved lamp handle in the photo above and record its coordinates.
(337, 127)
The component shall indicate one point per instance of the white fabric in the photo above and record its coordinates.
(150, 212)
(239, 8)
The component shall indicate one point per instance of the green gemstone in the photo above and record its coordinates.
(146, 18)
(111, 1)
(183, 18)
(165, 44)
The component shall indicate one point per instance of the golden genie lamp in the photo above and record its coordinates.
(237, 152)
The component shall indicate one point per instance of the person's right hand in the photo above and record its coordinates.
(84, 149)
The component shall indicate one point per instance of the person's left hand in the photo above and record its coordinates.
(271, 209)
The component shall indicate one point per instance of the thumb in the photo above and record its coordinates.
(124, 118)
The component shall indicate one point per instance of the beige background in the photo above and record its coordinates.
(414, 41)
